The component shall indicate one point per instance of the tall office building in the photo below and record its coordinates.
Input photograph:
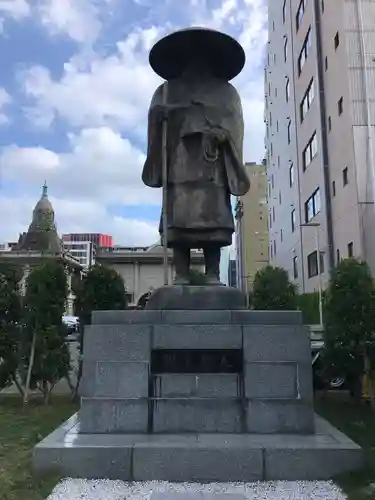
(320, 116)
(251, 227)
(83, 246)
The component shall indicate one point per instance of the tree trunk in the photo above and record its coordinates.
(31, 362)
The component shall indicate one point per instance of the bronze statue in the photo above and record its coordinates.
(204, 141)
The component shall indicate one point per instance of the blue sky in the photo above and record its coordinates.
(75, 87)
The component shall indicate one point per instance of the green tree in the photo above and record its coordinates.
(46, 356)
(272, 290)
(10, 319)
(101, 289)
(349, 317)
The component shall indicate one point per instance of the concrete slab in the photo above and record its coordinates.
(198, 457)
(197, 337)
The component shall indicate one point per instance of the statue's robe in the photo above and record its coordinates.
(199, 210)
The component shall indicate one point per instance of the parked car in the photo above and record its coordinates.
(73, 326)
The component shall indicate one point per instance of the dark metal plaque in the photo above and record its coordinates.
(196, 361)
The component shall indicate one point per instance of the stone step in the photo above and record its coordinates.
(196, 415)
(185, 415)
(134, 342)
(197, 458)
(215, 317)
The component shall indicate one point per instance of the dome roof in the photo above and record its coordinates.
(42, 233)
(44, 204)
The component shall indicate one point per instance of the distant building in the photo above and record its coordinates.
(84, 251)
(252, 227)
(232, 273)
(142, 268)
(39, 243)
(83, 246)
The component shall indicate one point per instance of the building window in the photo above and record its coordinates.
(312, 264)
(338, 258)
(307, 100)
(345, 177)
(329, 124)
(284, 12)
(333, 188)
(291, 175)
(322, 5)
(312, 206)
(286, 49)
(289, 129)
(287, 90)
(310, 151)
(273, 214)
(300, 12)
(304, 51)
(274, 247)
(340, 106)
(279, 197)
(281, 235)
(337, 40)
(326, 63)
(293, 219)
(271, 251)
(350, 249)
(295, 267)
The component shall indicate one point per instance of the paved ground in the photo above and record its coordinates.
(81, 489)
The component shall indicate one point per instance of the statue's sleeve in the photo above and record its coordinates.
(152, 169)
(238, 180)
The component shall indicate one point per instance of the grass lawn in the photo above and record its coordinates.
(357, 422)
(19, 432)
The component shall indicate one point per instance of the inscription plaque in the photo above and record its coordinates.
(196, 361)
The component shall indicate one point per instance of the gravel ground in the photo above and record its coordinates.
(81, 489)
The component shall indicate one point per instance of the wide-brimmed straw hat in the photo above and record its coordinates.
(221, 53)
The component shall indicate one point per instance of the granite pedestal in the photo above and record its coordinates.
(197, 395)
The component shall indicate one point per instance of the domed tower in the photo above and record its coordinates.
(42, 233)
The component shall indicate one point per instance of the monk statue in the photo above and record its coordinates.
(205, 129)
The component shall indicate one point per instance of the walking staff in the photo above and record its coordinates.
(165, 180)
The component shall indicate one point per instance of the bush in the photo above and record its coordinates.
(308, 303)
(10, 318)
(197, 278)
(272, 290)
(349, 314)
(101, 289)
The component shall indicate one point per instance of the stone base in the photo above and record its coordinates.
(182, 297)
(198, 457)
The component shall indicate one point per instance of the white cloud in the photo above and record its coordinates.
(101, 166)
(5, 100)
(79, 19)
(113, 90)
(76, 216)
(15, 9)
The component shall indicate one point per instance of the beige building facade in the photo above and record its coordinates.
(251, 227)
(142, 268)
(320, 117)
